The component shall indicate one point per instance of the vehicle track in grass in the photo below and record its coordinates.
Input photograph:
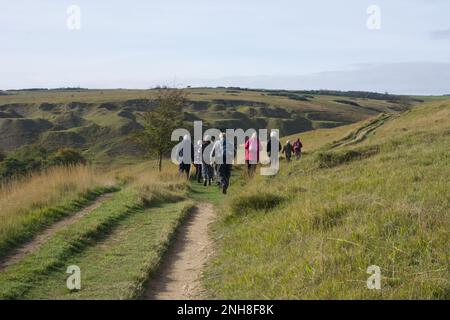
(32, 245)
(362, 133)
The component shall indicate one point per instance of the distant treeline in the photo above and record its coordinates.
(305, 94)
(47, 89)
(354, 94)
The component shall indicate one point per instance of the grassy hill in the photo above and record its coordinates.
(372, 193)
(98, 122)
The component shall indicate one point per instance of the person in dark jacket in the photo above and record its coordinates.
(269, 144)
(207, 168)
(287, 150)
(224, 153)
(185, 160)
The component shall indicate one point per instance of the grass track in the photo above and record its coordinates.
(27, 227)
(118, 265)
(21, 277)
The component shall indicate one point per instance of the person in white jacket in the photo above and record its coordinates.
(198, 153)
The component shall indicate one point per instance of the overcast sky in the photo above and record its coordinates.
(254, 43)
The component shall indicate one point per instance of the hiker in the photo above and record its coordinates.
(207, 168)
(273, 135)
(198, 161)
(297, 148)
(224, 154)
(252, 148)
(287, 150)
(185, 160)
(213, 162)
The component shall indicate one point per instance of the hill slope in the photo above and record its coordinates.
(314, 229)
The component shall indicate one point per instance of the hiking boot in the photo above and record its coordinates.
(205, 183)
(224, 190)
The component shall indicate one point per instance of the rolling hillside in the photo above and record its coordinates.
(98, 122)
(372, 193)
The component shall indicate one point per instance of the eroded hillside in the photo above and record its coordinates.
(99, 122)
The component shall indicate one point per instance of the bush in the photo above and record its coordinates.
(2, 156)
(32, 159)
(331, 159)
(12, 167)
(261, 201)
(66, 157)
(23, 161)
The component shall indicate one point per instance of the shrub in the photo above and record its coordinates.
(34, 159)
(66, 157)
(12, 167)
(261, 201)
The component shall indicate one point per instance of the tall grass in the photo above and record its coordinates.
(47, 188)
(151, 184)
(29, 203)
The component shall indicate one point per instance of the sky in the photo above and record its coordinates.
(283, 44)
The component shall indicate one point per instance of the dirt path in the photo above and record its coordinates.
(19, 253)
(179, 274)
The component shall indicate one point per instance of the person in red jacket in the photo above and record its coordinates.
(298, 148)
(252, 148)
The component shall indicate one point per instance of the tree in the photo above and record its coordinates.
(12, 167)
(405, 102)
(160, 121)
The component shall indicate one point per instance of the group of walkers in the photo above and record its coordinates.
(289, 149)
(215, 165)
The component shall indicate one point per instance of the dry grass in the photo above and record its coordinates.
(29, 204)
(47, 188)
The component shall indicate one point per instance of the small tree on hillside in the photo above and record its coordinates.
(159, 123)
(405, 102)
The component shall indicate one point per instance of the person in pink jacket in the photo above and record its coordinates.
(252, 148)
